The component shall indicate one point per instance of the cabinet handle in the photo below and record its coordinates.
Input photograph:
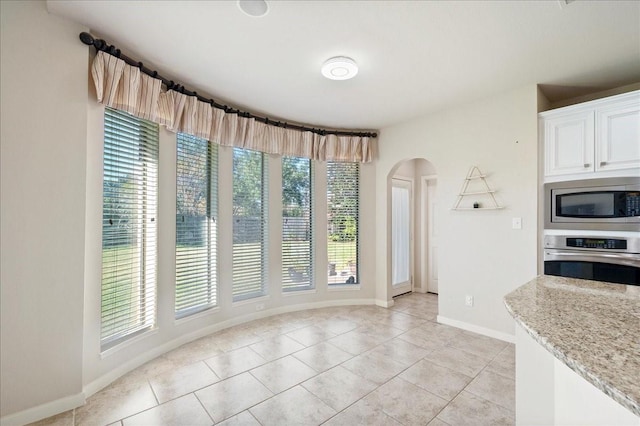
(587, 165)
(603, 163)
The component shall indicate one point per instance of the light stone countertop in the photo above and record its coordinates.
(591, 326)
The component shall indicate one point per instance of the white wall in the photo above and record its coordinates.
(43, 148)
(479, 253)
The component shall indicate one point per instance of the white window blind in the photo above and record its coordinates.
(196, 227)
(297, 241)
(249, 224)
(342, 222)
(130, 188)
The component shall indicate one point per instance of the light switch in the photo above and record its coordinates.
(516, 223)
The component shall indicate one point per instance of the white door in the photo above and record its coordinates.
(432, 238)
(401, 236)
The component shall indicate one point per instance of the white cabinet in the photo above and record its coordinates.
(569, 143)
(594, 139)
(618, 137)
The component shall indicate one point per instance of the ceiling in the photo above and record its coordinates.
(415, 57)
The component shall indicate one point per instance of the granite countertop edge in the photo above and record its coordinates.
(608, 388)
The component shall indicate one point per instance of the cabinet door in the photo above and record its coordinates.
(569, 144)
(618, 137)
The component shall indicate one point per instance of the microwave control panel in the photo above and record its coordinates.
(597, 243)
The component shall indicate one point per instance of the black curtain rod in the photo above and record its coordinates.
(102, 45)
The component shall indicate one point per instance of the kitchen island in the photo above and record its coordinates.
(577, 351)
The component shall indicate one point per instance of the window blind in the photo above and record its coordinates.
(297, 238)
(196, 228)
(342, 222)
(249, 224)
(130, 188)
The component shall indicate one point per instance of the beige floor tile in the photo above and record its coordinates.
(374, 367)
(407, 403)
(198, 350)
(439, 380)
(235, 362)
(426, 337)
(243, 419)
(401, 351)
(283, 373)
(229, 340)
(362, 413)
(322, 356)
(468, 409)
(422, 312)
(504, 363)
(354, 342)
(231, 396)
(62, 419)
(186, 410)
(339, 387)
(381, 332)
(457, 360)
(437, 422)
(494, 388)
(276, 347)
(116, 401)
(182, 381)
(478, 345)
(402, 321)
(297, 406)
(337, 325)
(311, 335)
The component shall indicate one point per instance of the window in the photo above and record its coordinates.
(342, 222)
(130, 188)
(249, 224)
(297, 241)
(196, 227)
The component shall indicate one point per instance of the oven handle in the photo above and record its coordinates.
(615, 259)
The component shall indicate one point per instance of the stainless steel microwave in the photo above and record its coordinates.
(610, 204)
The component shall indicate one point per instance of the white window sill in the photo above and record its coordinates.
(343, 287)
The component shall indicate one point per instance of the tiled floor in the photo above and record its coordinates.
(355, 365)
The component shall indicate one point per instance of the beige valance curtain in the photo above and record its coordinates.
(123, 87)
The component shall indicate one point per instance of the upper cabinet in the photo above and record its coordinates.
(594, 139)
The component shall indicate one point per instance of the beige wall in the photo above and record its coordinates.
(44, 125)
(479, 253)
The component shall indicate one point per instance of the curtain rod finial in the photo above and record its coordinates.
(86, 38)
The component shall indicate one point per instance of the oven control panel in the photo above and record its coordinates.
(598, 243)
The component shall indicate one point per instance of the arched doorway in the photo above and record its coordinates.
(413, 257)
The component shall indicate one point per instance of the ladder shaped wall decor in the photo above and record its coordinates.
(475, 173)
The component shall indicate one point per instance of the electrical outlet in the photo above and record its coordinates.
(468, 300)
(516, 223)
(259, 306)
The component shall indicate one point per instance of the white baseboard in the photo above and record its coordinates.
(384, 303)
(477, 329)
(104, 380)
(43, 411)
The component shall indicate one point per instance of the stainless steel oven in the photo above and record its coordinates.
(610, 259)
(610, 204)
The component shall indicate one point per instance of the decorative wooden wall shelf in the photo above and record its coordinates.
(475, 173)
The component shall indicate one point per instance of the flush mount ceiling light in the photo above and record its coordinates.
(339, 68)
(254, 8)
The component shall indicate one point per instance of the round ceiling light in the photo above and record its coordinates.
(339, 68)
(254, 8)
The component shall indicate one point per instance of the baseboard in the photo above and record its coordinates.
(384, 303)
(108, 378)
(477, 329)
(43, 411)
